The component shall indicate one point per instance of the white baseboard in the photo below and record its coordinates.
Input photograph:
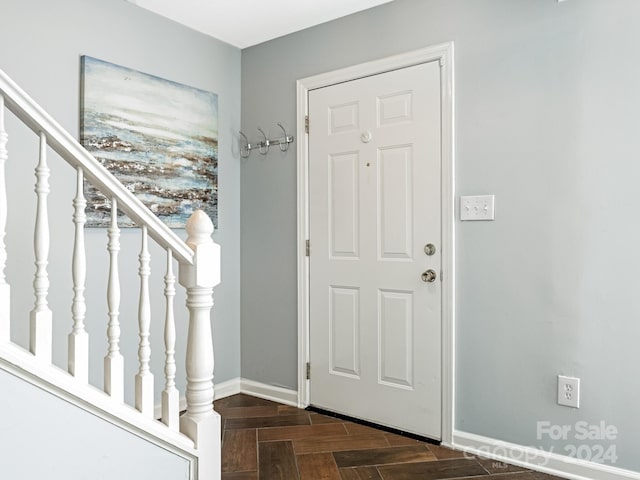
(269, 392)
(256, 389)
(242, 385)
(539, 460)
(226, 389)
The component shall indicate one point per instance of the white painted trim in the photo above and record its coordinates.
(448, 242)
(55, 381)
(539, 460)
(240, 385)
(269, 392)
(303, 235)
(227, 388)
(157, 408)
(221, 390)
(444, 54)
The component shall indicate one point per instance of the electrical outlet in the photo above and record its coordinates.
(477, 207)
(569, 391)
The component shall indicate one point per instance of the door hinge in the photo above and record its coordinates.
(308, 247)
(306, 124)
(308, 371)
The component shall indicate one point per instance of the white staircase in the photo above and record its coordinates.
(196, 434)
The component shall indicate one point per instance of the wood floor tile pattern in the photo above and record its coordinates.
(263, 440)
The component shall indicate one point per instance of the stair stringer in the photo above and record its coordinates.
(50, 378)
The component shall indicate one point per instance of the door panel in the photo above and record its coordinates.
(395, 209)
(345, 331)
(396, 334)
(344, 209)
(374, 203)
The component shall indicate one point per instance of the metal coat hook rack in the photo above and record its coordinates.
(264, 144)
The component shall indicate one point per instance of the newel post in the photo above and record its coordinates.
(201, 423)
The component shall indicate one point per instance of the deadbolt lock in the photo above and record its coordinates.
(429, 276)
(430, 249)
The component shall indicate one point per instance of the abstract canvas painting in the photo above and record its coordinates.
(159, 138)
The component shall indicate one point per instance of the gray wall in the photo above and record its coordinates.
(41, 47)
(50, 438)
(546, 119)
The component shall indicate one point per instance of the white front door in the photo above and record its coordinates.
(374, 206)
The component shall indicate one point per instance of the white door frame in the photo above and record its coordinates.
(444, 54)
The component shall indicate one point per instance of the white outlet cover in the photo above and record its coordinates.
(477, 207)
(569, 391)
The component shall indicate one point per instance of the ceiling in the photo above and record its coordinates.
(244, 23)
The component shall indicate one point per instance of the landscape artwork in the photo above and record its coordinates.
(159, 138)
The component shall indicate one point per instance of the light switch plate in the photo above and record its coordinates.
(477, 207)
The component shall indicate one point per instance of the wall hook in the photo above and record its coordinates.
(265, 143)
(285, 143)
(263, 146)
(245, 147)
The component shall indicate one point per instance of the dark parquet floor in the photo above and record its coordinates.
(263, 440)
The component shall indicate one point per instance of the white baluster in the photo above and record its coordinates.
(201, 423)
(41, 318)
(78, 338)
(170, 394)
(114, 362)
(5, 293)
(144, 378)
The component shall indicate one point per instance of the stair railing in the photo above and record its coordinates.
(199, 273)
